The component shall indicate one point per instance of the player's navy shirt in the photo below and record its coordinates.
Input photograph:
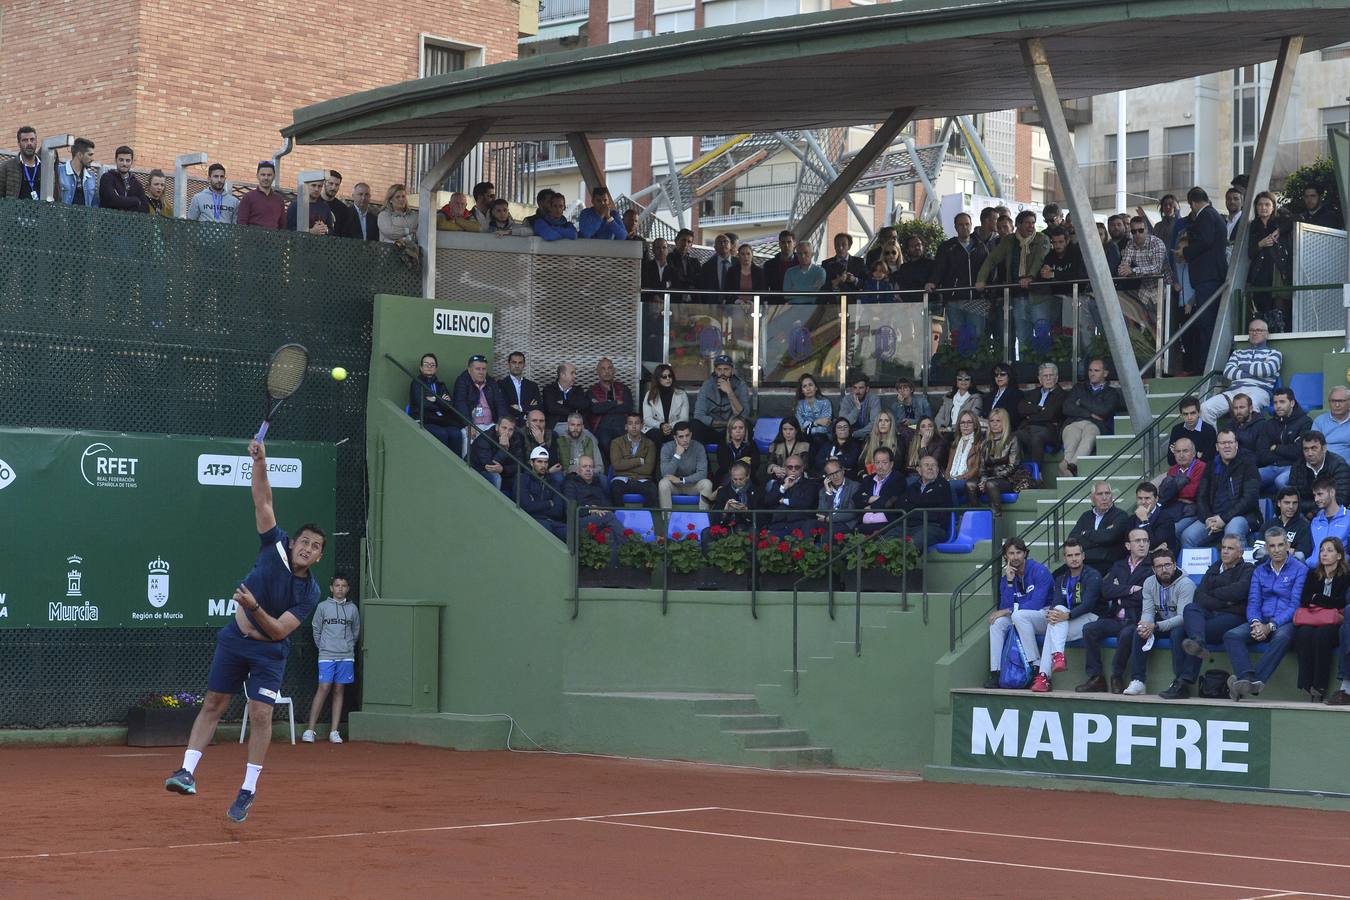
(273, 585)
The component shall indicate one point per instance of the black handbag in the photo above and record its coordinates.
(1214, 685)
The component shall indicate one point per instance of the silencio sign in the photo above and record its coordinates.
(462, 323)
(1181, 743)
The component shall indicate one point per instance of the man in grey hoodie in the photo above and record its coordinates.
(337, 625)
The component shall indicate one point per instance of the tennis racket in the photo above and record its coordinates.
(285, 374)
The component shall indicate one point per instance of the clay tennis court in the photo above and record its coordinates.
(361, 820)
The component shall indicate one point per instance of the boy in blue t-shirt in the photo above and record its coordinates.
(251, 650)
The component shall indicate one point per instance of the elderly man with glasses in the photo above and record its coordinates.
(1334, 424)
(1251, 370)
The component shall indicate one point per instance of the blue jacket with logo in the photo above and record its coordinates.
(1274, 597)
(1033, 589)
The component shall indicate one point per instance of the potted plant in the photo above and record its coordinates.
(729, 556)
(784, 560)
(594, 554)
(162, 720)
(684, 560)
(637, 556)
(890, 564)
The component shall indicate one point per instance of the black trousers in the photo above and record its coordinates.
(1094, 633)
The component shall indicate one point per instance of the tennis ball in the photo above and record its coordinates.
(339, 374)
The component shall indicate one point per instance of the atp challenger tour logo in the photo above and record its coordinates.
(1137, 741)
(102, 467)
(237, 471)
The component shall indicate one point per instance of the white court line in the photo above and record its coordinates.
(129, 755)
(1032, 837)
(986, 862)
(1272, 896)
(351, 834)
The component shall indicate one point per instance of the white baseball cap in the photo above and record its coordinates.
(538, 453)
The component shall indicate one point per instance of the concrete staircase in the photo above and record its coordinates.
(713, 727)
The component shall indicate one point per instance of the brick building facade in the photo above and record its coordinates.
(167, 78)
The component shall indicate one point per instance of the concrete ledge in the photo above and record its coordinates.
(431, 729)
(116, 736)
(1061, 782)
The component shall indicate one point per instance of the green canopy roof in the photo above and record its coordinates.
(840, 67)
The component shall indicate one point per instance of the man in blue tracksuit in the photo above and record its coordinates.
(1277, 586)
(251, 650)
(1025, 584)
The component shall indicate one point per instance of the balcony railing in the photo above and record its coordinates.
(740, 205)
(555, 10)
(1146, 177)
(509, 166)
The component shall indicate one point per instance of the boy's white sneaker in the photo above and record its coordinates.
(334, 737)
(1136, 687)
(308, 737)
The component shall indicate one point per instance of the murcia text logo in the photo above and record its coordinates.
(66, 612)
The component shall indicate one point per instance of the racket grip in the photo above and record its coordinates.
(262, 431)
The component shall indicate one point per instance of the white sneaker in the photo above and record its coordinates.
(308, 737)
(334, 737)
(1134, 688)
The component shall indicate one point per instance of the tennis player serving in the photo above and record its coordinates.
(251, 650)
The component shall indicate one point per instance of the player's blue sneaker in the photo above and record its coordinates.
(238, 810)
(181, 782)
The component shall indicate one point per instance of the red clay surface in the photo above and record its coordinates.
(365, 820)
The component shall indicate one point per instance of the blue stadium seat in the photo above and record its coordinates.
(684, 499)
(976, 525)
(765, 431)
(632, 498)
(1307, 388)
(1267, 509)
(1034, 468)
(639, 520)
(680, 522)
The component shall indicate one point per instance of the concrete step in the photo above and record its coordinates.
(768, 738)
(729, 721)
(702, 702)
(791, 757)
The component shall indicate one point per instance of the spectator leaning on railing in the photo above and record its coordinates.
(215, 203)
(119, 189)
(264, 207)
(955, 264)
(157, 200)
(600, 220)
(76, 184)
(21, 177)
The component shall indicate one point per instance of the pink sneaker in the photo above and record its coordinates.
(1041, 684)
(1057, 663)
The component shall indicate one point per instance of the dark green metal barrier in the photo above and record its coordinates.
(123, 322)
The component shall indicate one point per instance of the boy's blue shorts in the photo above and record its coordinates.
(337, 671)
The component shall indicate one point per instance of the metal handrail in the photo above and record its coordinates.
(1145, 444)
(733, 292)
(523, 470)
(1194, 317)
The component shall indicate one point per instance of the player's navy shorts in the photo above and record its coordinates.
(337, 671)
(239, 661)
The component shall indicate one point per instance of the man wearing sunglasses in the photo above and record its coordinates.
(1143, 254)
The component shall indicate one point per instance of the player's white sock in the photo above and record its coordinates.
(251, 777)
(1345, 685)
(190, 760)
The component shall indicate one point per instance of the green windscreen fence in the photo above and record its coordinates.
(119, 322)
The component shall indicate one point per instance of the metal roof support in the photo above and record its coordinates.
(838, 188)
(673, 185)
(1263, 166)
(930, 205)
(833, 173)
(1094, 256)
(426, 222)
(591, 171)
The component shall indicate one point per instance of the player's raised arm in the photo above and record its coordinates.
(262, 489)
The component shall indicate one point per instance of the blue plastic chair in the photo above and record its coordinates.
(765, 431)
(1307, 388)
(632, 498)
(680, 522)
(639, 520)
(1035, 471)
(976, 525)
(684, 500)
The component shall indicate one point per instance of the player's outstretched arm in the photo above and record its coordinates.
(275, 628)
(262, 489)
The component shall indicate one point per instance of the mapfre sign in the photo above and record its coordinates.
(1163, 742)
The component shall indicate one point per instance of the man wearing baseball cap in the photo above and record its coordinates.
(722, 396)
(538, 498)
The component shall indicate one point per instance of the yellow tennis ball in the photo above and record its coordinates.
(339, 374)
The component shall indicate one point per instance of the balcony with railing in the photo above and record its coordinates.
(553, 156)
(559, 10)
(1147, 177)
(757, 205)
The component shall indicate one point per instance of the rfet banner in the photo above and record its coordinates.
(113, 530)
(1182, 743)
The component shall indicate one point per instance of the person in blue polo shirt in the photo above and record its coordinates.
(1277, 587)
(251, 650)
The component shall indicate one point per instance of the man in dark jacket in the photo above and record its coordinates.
(1041, 413)
(1315, 212)
(477, 397)
(1227, 500)
(1250, 427)
(930, 491)
(119, 189)
(684, 267)
(838, 499)
(539, 499)
(1296, 528)
(955, 264)
(611, 402)
(563, 397)
(1151, 516)
(1318, 462)
(494, 453)
(1220, 604)
(881, 493)
(429, 401)
(1205, 254)
(1282, 440)
(21, 176)
(776, 267)
(1200, 432)
(1102, 529)
(1089, 411)
(793, 498)
(521, 394)
(844, 272)
(732, 503)
(1122, 604)
(586, 491)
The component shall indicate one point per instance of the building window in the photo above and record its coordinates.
(1335, 117)
(441, 56)
(438, 59)
(1136, 145)
(621, 27)
(1340, 51)
(1246, 116)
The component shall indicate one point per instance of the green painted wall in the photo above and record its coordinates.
(404, 328)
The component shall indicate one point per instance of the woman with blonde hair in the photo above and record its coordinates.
(926, 441)
(883, 434)
(398, 223)
(963, 464)
(999, 458)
